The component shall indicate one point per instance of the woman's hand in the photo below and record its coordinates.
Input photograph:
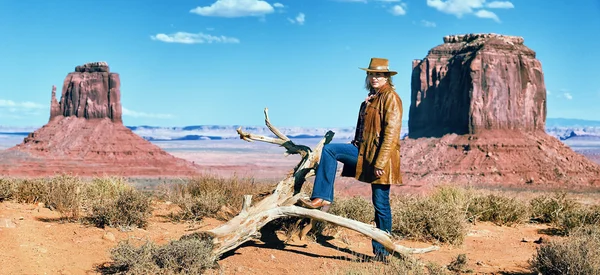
(379, 172)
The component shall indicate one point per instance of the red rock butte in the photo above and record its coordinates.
(477, 116)
(85, 135)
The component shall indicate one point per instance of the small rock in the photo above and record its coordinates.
(21, 218)
(7, 223)
(538, 241)
(524, 240)
(109, 236)
(272, 257)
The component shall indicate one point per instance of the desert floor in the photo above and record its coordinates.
(34, 241)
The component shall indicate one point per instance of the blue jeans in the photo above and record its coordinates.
(325, 177)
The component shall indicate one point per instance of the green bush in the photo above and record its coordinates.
(355, 208)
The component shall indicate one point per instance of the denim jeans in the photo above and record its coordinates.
(325, 177)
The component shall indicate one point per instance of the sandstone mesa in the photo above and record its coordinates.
(85, 135)
(477, 116)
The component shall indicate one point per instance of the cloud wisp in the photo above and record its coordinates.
(193, 38)
(299, 19)
(236, 8)
(478, 8)
(131, 113)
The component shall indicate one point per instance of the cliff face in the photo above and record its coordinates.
(477, 82)
(90, 92)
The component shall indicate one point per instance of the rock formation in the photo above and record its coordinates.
(92, 91)
(85, 135)
(477, 116)
(477, 82)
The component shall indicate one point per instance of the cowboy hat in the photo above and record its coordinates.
(379, 65)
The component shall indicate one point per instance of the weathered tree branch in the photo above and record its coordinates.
(280, 203)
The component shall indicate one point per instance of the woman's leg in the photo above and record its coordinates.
(383, 214)
(325, 172)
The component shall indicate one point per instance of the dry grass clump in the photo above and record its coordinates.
(191, 254)
(550, 208)
(64, 194)
(103, 201)
(440, 216)
(499, 209)
(113, 202)
(8, 188)
(205, 196)
(564, 213)
(577, 254)
(31, 191)
(355, 208)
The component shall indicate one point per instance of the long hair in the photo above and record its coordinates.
(370, 88)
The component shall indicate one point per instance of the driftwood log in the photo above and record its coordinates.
(281, 202)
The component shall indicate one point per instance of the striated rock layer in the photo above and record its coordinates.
(477, 116)
(85, 135)
(477, 82)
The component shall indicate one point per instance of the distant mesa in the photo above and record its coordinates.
(477, 116)
(85, 135)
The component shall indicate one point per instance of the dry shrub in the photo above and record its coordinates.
(129, 208)
(31, 191)
(355, 208)
(577, 217)
(205, 196)
(405, 265)
(578, 254)
(549, 209)
(64, 194)
(8, 188)
(439, 217)
(105, 188)
(191, 254)
(498, 209)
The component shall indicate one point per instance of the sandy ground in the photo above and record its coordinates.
(34, 241)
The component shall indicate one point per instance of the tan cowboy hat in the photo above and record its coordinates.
(379, 65)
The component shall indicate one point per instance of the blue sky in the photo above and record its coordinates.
(221, 62)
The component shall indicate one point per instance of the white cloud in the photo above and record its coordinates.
(500, 5)
(131, 113)
(487, 14)
(278, 5)
(354, 1)
(428, 24)
(235, 8)
(475, 7)
(398, 10)
(193, 38)
(567, 96)
(15, 106)
(300, 18)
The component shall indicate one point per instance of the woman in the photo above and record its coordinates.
(373, 156)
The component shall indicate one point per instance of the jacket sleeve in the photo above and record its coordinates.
(391, 126)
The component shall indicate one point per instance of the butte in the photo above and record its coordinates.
(477, 117)
(85, 135)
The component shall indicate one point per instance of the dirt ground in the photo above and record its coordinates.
(34, 241)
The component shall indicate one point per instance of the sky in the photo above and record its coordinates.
(221, 62)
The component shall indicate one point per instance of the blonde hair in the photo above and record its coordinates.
(368, 86)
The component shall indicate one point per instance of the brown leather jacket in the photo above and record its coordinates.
(380, 145)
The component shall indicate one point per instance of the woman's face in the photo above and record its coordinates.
(377, 80)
